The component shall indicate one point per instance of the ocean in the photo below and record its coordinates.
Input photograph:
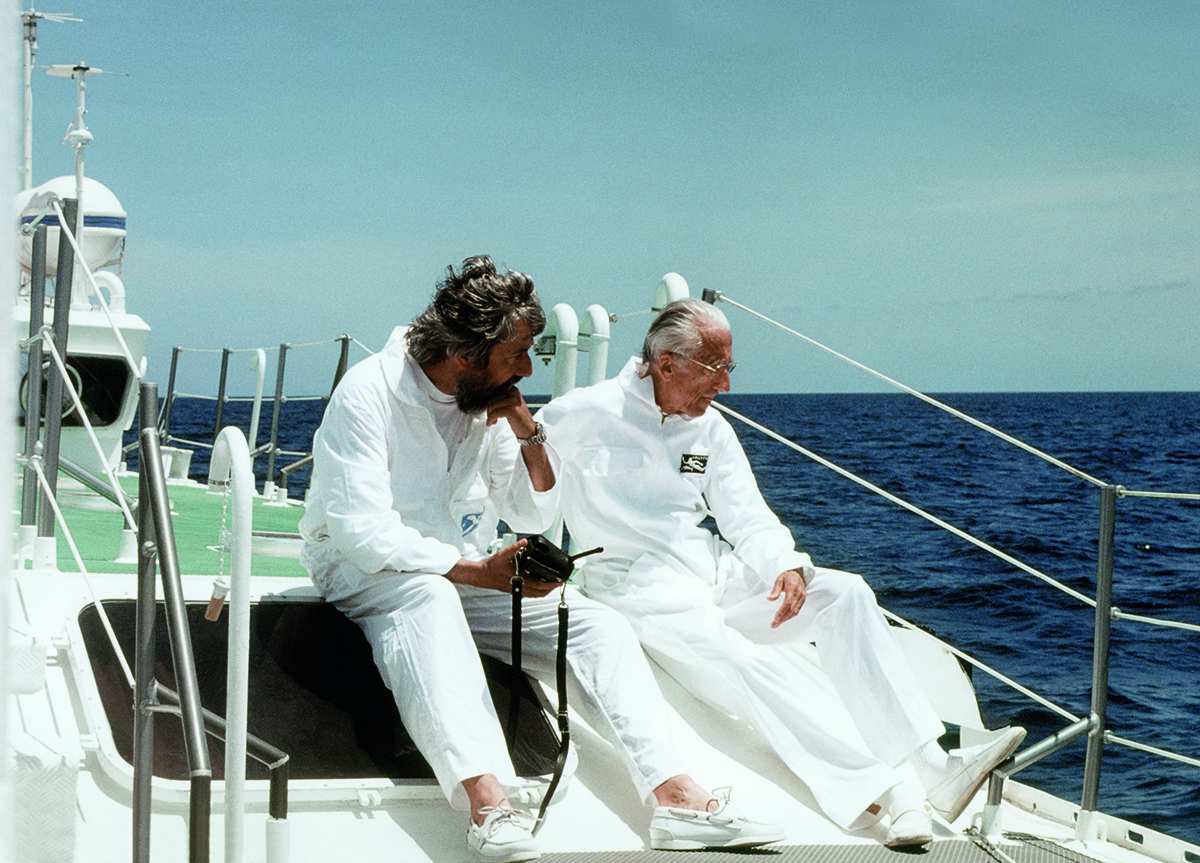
(1027, 508)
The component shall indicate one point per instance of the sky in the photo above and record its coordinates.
(966, 196)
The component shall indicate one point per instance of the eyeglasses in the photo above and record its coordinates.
(716, 370)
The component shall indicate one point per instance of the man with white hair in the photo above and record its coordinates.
(645, 461)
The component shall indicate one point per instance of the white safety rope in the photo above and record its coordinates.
(925, 398)
(36, 464)
(69, 234)
(48, 337)
(1007, 558)
(987, 669)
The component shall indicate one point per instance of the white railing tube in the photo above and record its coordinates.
(594, 335)
(230, 470)
(563, 325)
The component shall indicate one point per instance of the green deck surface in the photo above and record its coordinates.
(196, 516)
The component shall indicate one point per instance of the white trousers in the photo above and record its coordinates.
(842, 720)
(426, 634)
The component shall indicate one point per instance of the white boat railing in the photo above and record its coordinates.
(276, 481)
(230, 471)
(553, 346)
(1094, 726)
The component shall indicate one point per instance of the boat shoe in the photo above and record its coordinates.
(724, 827)
(912, 828)
(970, 768)
(505, 836)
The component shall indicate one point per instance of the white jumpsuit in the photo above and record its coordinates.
(389, 512)
(640, 484)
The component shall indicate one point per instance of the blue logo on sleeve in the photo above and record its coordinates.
(471, 521)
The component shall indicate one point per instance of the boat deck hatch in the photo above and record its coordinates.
(315, 693)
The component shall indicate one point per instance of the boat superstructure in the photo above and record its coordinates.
(177, 686)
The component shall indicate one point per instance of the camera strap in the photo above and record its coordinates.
(560, 682)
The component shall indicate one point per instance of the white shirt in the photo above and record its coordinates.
(388, 492)
(638, 483)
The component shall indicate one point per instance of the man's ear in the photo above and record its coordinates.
(667, 365)
(465, 364)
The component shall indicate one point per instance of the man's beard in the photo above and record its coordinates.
(473, 394)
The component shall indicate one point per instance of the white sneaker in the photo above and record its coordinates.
(691, 830)
(910, 829)
(969, 769)
(505, 836)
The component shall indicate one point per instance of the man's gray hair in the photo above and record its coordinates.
(473, 311)
(678, 328)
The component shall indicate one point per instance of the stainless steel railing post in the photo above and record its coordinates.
(54, 389)
(33, 376)
(144, 684)
(195, 743)
(343, 362)
(273, 445)
(169, 402)
(221, 393)
(1100, 652)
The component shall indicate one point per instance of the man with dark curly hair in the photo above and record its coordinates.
(422, 450)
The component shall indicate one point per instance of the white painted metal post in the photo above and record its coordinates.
(231, 466)
(594, 335)
(563, 324)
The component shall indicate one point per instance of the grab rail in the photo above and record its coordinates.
(232, 467)
(157, 542)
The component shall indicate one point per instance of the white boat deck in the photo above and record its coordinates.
(77, 777)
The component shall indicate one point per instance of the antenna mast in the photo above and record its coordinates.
(30, 19)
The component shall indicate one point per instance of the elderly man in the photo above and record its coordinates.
(422, 448)
(644, 463)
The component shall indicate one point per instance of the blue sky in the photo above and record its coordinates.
(965, 195)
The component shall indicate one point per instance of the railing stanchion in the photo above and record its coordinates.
(54, 389)
(33, 375)
(199, 766)
(144, 698)
(1100, 649)
(221, 393)
(164, 423)
(273, 445)
(343, 362)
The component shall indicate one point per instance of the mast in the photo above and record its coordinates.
(78, 137)
(30, 19)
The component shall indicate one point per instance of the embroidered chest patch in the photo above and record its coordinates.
(689, 463)
(471, 521)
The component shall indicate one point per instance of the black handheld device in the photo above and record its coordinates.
(542, 560)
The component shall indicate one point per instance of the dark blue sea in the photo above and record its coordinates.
(1036, 512)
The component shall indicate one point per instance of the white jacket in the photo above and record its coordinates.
(640, 484)
(380, 489)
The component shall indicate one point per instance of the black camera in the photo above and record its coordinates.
(542, 560)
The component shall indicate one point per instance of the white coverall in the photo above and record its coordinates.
(639, 484)
(388, 514)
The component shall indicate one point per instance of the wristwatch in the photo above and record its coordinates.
(538, 436)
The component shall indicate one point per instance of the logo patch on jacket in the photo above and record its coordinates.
(689, 463)
(471, 521)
